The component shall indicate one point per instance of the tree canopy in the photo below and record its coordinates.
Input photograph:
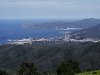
(2, 72)
(28, 68)
(69, 68)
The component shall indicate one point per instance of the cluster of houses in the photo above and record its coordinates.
(66, 38)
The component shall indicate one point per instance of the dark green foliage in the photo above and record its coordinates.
(2, 72)
(48, 55)
(91, 32)
(69, 68)
(27, 68)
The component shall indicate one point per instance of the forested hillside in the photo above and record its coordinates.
(47, 55)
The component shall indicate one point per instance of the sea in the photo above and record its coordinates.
(13, 29)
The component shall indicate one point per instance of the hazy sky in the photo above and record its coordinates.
(49, 9)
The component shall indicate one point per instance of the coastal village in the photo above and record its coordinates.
(65, 38)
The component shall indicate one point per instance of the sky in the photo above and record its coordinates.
(51, 9)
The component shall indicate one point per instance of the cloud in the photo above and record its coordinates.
(69, 1)
(48, 8)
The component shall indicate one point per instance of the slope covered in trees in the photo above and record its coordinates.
(48, 55)
(92, 32)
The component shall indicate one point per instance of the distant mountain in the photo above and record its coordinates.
(85, 23)
(92, 32)
(90, 20)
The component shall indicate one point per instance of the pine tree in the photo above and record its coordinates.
(2, 72)
(69, 68)
(27, 68)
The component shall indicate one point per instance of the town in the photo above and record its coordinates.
(65, 38)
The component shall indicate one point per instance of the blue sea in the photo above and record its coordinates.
(13, 29)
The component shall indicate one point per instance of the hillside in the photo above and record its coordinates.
(47, 55)
(85, 23)
(96, 72)
(92, 32)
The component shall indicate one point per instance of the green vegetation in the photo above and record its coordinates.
(97, 72)
(65, 68)
(27, 68)
(48, 55)
(69, 68)
(2, 72)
